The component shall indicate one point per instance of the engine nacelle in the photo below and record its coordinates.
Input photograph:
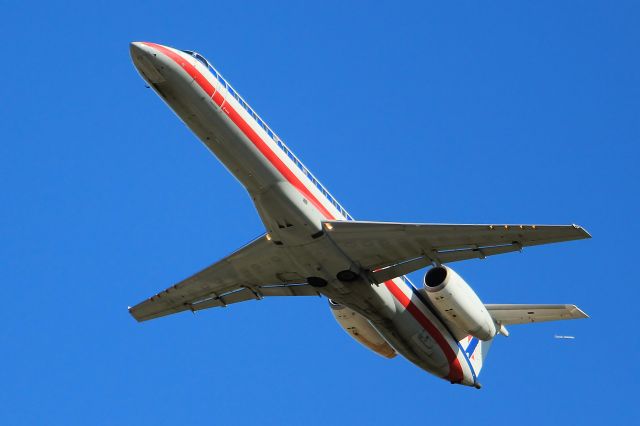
(457, 303)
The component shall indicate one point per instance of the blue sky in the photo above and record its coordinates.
(472, 113)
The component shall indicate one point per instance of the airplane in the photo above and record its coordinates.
(313, 247)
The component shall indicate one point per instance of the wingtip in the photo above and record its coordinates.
(579, 313)
(133, 315)
(585, 233)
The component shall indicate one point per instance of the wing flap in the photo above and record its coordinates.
(523, 314)
(289, 290)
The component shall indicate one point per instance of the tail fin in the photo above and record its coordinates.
(476, 351)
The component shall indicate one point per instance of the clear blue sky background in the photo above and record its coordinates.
(475, 112)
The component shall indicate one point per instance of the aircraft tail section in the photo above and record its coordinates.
(476, 351)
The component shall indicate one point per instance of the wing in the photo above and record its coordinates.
(389, 250)
(522, 314)
(257, 270)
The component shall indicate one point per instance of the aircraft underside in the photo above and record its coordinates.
(312, 246)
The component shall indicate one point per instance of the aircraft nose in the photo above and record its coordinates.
(137, 49)
(144, 57)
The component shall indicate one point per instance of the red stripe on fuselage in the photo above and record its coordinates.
(245, 127)
(455, 369)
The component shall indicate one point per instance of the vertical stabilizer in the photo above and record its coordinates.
(476, 351)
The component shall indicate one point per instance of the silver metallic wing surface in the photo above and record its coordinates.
(257, 270)
(523, 314)
(389, 250)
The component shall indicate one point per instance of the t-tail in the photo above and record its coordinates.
(476, 351)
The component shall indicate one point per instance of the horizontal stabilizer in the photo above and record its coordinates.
(522, 314)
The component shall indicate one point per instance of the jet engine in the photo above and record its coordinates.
(457, 303)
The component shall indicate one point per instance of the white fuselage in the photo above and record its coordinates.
(293, 205)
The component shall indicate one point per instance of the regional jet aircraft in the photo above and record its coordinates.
(314, 247)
